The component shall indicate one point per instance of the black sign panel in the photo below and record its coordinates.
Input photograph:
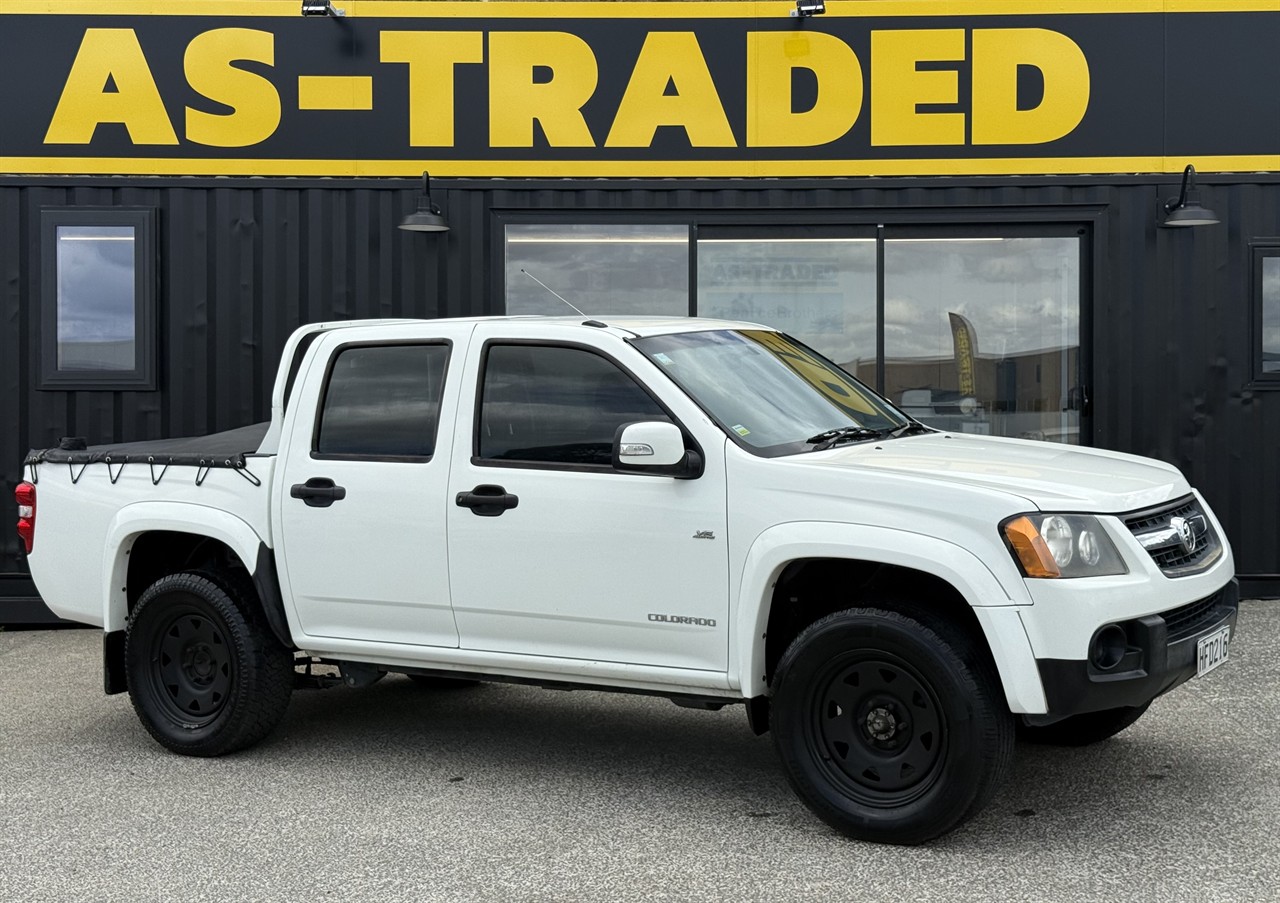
(649, 89)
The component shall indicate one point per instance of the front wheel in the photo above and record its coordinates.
(206, 677)
(886, 730)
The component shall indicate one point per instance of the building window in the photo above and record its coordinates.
(1266, 293)
(602, 270)
(817, 285)
(98, 299)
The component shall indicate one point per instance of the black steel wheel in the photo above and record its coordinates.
(888, 730)
(206, 677)
(1085, 729)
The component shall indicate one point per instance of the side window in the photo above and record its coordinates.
(546, 404)
(1266, 301)
(383, 401)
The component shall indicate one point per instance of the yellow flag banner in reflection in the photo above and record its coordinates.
(965, 340)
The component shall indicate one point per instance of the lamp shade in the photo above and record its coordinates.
(427, 218)
(1185, 209)
(1190, 214)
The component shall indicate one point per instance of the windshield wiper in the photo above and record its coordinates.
(832, 438)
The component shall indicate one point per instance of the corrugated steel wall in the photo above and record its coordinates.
(243, 262)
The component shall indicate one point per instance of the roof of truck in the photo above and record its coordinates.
(638, 325)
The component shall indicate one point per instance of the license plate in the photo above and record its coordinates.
(1211, 651)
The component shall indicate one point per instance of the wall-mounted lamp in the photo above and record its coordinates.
(321, 8)
(806, 8)
(1185, 209)
(427, 218)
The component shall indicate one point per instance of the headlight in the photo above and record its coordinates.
(1061, 545)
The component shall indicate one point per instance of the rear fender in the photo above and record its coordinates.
(135, 520)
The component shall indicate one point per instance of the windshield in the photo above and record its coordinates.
(772, 394)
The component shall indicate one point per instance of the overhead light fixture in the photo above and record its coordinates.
(321, 8)
(1185, 209)
(806, 8)
(427, 218)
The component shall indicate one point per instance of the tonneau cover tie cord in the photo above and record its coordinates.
(155, 480)
(226, 450)
(116, 467)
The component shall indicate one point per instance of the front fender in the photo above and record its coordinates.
(134, 520)
(996, 603)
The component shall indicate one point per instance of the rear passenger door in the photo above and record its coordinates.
(360, 511)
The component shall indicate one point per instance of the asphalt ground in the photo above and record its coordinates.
(503, 793)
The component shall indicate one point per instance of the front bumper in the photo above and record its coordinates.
(1161, 655)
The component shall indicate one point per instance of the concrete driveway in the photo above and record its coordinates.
(509, 793)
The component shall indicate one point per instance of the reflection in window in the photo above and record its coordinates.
(383, 401)
(97, 298)
(1271, 313)
(556, 405)
(982, 335)
(772, 394)
(601, 270)
(821, 291)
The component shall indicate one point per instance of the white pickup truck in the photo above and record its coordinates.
(702, 510)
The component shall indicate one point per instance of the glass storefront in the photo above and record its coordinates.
(601, 270)
(972, 329)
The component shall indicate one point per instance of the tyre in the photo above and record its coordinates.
(435, 682)
(888, 730)
(1082, 730)
(206, 676)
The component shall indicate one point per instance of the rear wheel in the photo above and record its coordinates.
(886, 730)
(206, 677)
(1082, 730)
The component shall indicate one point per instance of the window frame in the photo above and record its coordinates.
(1259, 251)
(318, 421)
(689, 441)
(144, 375)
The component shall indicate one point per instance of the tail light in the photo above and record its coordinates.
(26, 497)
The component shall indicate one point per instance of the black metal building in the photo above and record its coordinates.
(982, 291)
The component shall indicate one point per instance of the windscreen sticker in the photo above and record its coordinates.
(741, 430)
(662, 358)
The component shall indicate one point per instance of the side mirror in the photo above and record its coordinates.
(654, 447)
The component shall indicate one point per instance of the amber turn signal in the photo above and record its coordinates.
(1032, 551)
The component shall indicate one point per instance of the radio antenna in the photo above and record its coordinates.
(553, 291)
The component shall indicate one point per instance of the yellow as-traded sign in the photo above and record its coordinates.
(620, 91)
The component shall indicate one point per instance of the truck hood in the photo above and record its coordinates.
(1049, 475)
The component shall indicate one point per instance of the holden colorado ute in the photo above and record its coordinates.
(702, 510)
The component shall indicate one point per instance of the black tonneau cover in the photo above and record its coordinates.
(227, 449)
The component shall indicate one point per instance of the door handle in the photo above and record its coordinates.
(487, 500)
(318, 492)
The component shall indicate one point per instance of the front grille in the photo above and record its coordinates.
(1189, 619)
(1177, 536)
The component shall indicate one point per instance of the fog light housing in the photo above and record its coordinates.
(1108, 647)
